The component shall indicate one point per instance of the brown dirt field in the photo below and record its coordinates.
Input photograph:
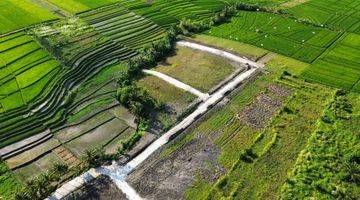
(102, 188)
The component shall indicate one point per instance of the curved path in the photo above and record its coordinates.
(119, 173)
(177, 83)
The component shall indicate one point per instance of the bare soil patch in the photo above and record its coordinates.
(169, 176)
(102, 188)
(258, 114)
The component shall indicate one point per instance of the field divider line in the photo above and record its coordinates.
(178, 84)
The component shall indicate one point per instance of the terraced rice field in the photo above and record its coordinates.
(77, 6)
(17, 14)
(167, 13)
(339, 66)
(124, 27)
(265, 3)
(338, 15)
(48, 109)
(278, 34)
(25, 71)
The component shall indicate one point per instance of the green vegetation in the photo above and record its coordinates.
(167, 13)
(122, 26)
(138, 101)
(188, 63)
(173, 100)
(278, 34)
(77, 6)
(257, 160)
(9, 183)
(61, 74)
(247, 50)
(26, 74)
(86, 110)
(17, 14)
(328, 167)
(165, 93)
(339, 66)
(337, 15)
(263, 3)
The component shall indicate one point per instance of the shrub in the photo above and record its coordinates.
(94, 157)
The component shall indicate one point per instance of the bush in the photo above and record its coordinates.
(188, 27)
(137, 100)
(94, 157)
(248, 7)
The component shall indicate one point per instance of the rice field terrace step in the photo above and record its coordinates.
(66, 156)
(28, 143)
(87, 117)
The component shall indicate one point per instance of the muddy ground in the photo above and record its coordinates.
(102, 188)
(167, 177)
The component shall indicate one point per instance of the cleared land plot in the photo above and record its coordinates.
(92, 121)
(198, 69)
(339, 66)
(77, 6)
(338, 15)
(278, 34)
(164, 92)
(175, 100)
(122, 26)
(102, 188)
(17, 14)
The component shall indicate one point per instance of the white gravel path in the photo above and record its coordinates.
(119, 173)
(177, 83)
(219, 52)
